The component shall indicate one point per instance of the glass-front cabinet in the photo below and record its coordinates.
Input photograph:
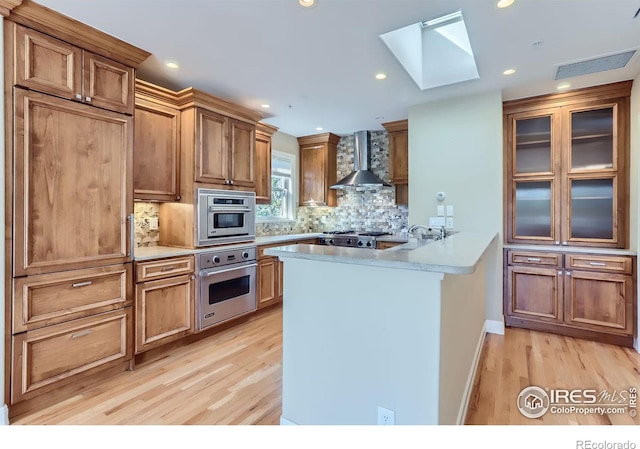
(566, 168)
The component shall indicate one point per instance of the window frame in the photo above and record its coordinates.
(292, 159)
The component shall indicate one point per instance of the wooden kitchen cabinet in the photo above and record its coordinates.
(567, 168)
(269, 280)
(156, 152)
(263, 162)
(577, 294)
(224, 150)
(318, 170)
(165, 301)
(73, 191)
(48, 358)
(387, 245)
(46, 299)
(535, 293)
(46, 64)
(398, 132)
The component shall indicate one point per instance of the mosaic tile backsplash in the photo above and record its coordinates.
(143, 211)
(358, 209)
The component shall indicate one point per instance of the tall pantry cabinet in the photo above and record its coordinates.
(567, 264)
(69, 204)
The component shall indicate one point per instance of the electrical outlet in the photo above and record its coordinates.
(153, 224)
(436, 222)
(440, 211)
(449, 211)
(386, 417)
(449, 223)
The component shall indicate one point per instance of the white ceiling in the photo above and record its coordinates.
(316, 67)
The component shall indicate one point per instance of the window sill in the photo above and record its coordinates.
(275, 220)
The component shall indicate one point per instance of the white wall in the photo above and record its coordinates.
(455, 146)
(634, 232)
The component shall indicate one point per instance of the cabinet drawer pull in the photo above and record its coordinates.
(81, 334)
(559, 273)
(597, 264)
(168, 268)
(78, 96)
(534, 259)
(81, 284)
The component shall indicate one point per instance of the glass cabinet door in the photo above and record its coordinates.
(592, 139)
(533, 145)
(592, 209)
(534, 211)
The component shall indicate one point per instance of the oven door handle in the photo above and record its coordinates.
(205, 274)
(215, 209)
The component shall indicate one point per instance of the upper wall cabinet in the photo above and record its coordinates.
(156, 153)
(567, 167)
(52, 66)
(318, 171)
(399, 158)
(263, 162)
(217, 141)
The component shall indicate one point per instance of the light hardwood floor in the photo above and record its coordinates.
(234, 377)
(522, 358)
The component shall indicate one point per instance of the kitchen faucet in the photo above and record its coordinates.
(441, 235)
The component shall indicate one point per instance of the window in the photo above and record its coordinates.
(282, 195)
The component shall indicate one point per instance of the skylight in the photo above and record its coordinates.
(435, 52)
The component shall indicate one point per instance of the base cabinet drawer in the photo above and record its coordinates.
(46, 299)
(164, 268)
(46, 358)
(610, 264)
(164, 311)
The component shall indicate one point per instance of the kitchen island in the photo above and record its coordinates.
(400, 329)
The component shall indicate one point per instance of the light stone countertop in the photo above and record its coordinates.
(159, 252)
(393, 238)
(571, 249)
(457, 254)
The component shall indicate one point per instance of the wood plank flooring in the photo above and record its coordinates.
(522, 358)
(235, 377)
(232, 377)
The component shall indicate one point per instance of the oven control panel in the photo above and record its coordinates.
(223, 257)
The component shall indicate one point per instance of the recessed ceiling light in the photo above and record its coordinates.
(172, 65)
(266, 106)
(319, 128)
(504, 3)
(381, 76)
(509, 72)
(563, 86)
(307, 3)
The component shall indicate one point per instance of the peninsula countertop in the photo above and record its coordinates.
(457, 254)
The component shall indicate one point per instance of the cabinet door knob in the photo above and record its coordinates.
(231, 182)
(557, 242)
(568, 273)
(78, 97)
(565, 243)
(87, 99)
(559, 273)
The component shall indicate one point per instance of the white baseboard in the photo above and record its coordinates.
(636, 344)
(468, 388)
(4, 415)
(495, 327)
(285, 422)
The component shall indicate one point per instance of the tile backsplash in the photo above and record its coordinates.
(358, 208)
(142, 212)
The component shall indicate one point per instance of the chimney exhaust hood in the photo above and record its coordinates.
(361, 176)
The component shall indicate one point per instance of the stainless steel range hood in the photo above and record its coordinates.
(361, 176)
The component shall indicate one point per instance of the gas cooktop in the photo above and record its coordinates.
(351, 238)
